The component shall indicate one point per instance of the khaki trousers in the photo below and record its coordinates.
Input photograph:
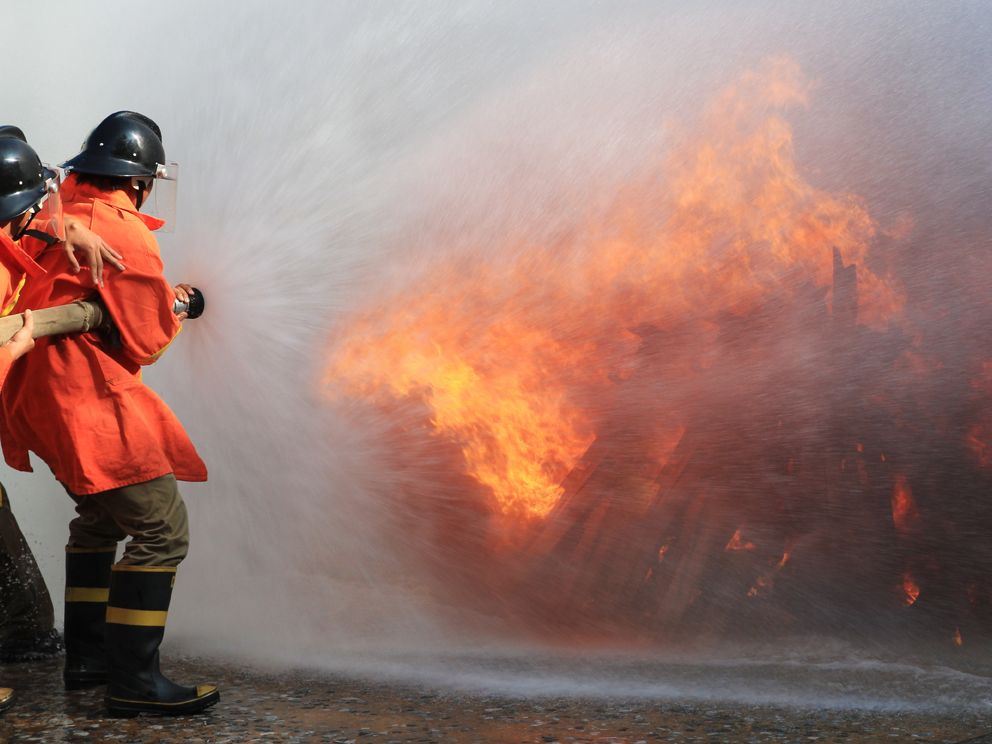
(152, 514)
(25, 606)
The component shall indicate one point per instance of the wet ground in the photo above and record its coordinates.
(312, 708)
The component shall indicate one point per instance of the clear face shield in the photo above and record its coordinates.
(160, 201)
(44, 219)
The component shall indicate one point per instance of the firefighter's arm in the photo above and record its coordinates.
(140, 302)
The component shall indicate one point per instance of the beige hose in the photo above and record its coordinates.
(72, 318)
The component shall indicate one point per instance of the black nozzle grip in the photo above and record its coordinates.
(197, 304)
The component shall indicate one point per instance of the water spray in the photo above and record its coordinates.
(82, 316)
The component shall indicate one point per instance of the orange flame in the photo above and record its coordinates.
(518, 433)
(958, 640)
(767, 581)
(491, 350)
(910, 589)
(904, 512)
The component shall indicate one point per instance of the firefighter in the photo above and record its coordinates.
(26, 616)
(31, 597)
(123, 481)
(26, 604)
(29, 212)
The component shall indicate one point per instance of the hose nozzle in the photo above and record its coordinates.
(194, 308)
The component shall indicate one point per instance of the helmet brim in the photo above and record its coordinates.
(88, 164)
(14, 205)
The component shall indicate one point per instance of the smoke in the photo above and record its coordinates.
(335, 153)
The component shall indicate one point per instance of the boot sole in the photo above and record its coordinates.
(121, 708)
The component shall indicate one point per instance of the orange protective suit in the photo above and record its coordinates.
(77, 401)
(15, 267)
(27, 618)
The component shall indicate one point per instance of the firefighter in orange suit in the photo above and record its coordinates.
(25, 606)
(29, 216)
(79, 404)
(19, 345)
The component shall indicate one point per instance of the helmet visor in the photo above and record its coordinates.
(45, 216)
(161, 202)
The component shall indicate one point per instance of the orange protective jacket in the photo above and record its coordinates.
(15, 267)
(77, 401)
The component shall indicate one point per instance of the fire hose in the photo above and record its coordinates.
(82, 316)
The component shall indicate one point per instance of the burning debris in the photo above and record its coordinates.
(737, 543)
(696, 412)
(910, 588)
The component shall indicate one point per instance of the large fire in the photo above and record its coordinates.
(719, 226)
(669, 405)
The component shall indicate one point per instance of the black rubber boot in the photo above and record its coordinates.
(136, 614)
(87, 586)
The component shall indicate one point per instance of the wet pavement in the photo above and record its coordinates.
(257, 707)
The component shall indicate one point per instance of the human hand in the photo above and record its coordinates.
(182, 294)
(23, 341)
(93, 247)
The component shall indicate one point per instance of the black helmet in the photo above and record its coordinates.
(23, 179)
(9, 130)
(124, 145)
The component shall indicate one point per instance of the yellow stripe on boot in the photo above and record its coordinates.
(86, 594)
(144, 618)
(145, 569)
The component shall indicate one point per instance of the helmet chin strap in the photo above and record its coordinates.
(139, 185)
(24, 228)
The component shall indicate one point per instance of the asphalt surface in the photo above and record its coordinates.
(258, 707)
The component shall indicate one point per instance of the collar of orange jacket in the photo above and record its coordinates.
(11, 255)
(73, 191)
